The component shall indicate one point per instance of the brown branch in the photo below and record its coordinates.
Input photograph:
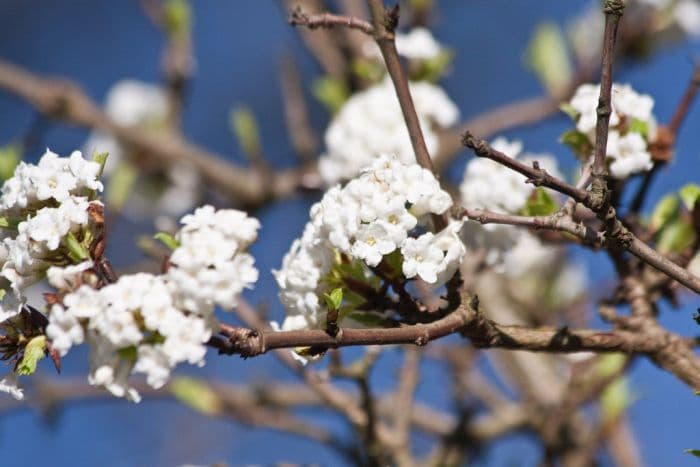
(328, 20)
(535, 175)
(613, 12)
(296, 113)
(686, 102)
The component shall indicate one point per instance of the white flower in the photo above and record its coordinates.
(154, 363)
(64, 330)
(687, 15)
(10, 385)
(421, 257)
(628, 154)
(68, 277)
(370, 123)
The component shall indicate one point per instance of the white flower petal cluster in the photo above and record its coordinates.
(10, 385)
(45, 202)
(370, 123)
(369, 218)
(146, 323)
(491, 186)
(54, 178)
(416, 44)
(627, 148)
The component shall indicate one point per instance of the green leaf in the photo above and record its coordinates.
(100, 158)
(547, 56)
(665, 210)
(689, 195)
(334, 299)
(639, 126)
(178, 18)
(615, 399)
(694, 452)
(76, 250)
(4, 223)
(33, 352)
(245, 128)
(577, 142)
(676, 236)
(330, 92)
(540, 203)
(2, 294)
(120, 185)
(610, 364)
(368, 70)
(130, 353)
(569, 110)
(434, 68)
(10, 156)
(197, 395)
(167, 240)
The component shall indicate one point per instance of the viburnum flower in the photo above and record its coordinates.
(632, 128)
(359, 225)
(370, 123)
(416, 44)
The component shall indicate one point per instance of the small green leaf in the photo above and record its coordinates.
(433, 68)
(245, 128)
(167, 240)
(10, 156)
(665, 210)
(197, 395)
(4, 223)
(330, 92)
(33, 352)
(334, 299)
(694, 452)
(2, 294)
(639, 126)
(547, 56)
(76, 250)
(577, 142)
(129, 353)
(100, 158)
(610, 364)
(540, 203)
(569, 110)
(615, 399)
(689, 195)
(178, 18)
(676, 236)
(368, 70)
(120, 185)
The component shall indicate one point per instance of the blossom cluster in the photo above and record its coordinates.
(44, 209)
(371, 217)
(371, 123)
(491, 186)
(132, 103)
(146, 323)
(632, 127)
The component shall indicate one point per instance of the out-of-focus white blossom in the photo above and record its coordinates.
(10, 385)
(67, 278)
(370, 123)
(632, 126)
(416, 44)
(491, 186)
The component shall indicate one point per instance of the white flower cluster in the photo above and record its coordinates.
(632, 126)
(133, 103)
(491, 186)
(417, 44)
(149, 323)
(41, 205)
(371, 217)
(370, 123)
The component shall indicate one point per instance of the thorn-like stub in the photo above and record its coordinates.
(391, 18)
